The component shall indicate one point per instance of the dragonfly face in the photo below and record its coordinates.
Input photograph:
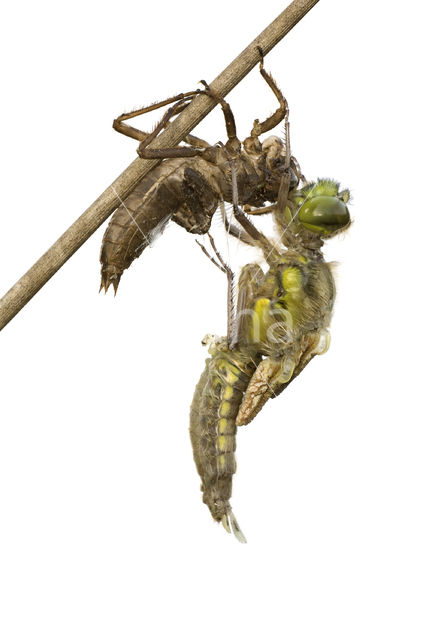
(322, 208)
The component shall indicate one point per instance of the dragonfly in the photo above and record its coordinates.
(280, 317)
(277, 326)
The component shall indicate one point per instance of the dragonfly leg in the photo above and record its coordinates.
(121, 126)
(232, 144)
(278, 115)
(180, 101)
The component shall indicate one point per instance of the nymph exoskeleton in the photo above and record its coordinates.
(191, 181)
(280, 323)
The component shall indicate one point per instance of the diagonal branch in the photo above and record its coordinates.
(77, 234)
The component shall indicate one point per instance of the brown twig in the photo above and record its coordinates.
(73, 238)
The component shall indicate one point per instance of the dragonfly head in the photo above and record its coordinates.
(322, 208)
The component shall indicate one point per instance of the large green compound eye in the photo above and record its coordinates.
(324, 214)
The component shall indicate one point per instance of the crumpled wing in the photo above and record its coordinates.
(249, 282)
(268, 381)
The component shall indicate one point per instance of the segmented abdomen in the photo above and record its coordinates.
(177, 188)
(214, 408)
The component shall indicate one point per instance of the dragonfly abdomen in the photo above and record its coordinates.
(214, 409)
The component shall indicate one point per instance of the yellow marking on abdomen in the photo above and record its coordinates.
(224, 409)
(231, 377)
(217, 382)
(226, 444)
(228, 392)
(226, 427)
(221, 462)
(228, 371)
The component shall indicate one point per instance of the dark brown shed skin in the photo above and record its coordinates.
(188, 191)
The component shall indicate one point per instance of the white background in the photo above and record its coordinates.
(102, 530)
